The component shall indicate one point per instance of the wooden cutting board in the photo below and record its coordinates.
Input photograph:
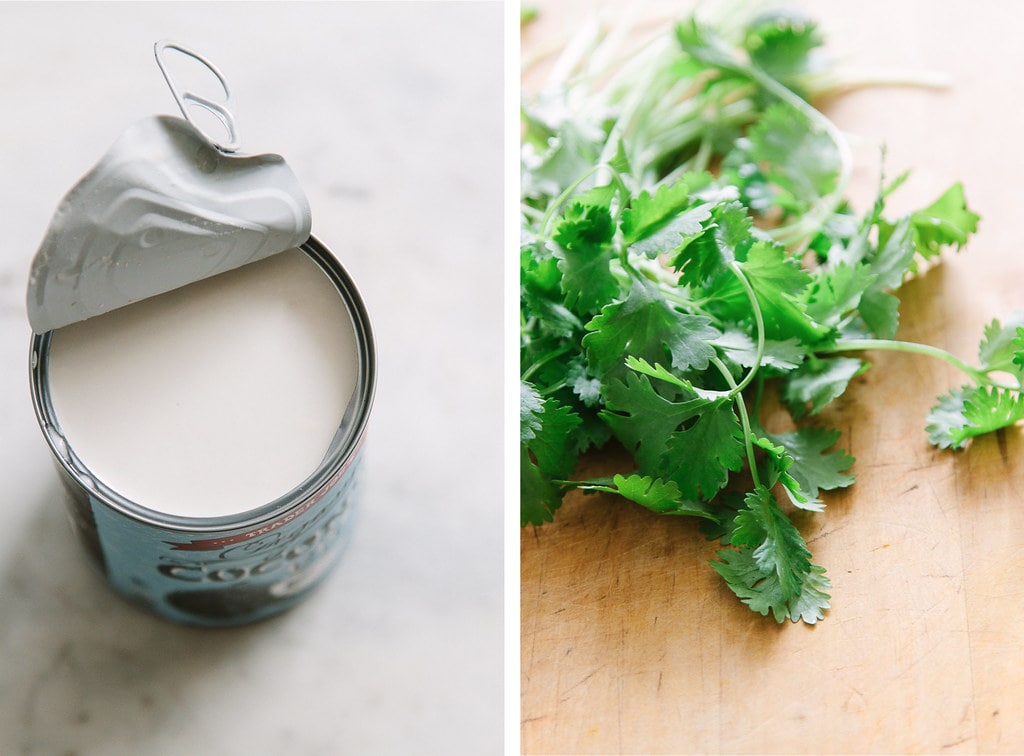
(632, 644)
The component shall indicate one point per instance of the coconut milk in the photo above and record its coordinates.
(213, 399)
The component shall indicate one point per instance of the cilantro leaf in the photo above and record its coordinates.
(584, 257)
(799, 159)
(716, 438)
(541, 297)
(813, 467)
(782, 44)
(946, 420)
(880, 311)
(673, 235)
(726, 235)
(763, 593)
(584, 385)
(547, 451)
(779, 549)
(814, 599)
(778, 281)
(546, 427)
(642, 419)
(945, 222)
(837, 291)
(660, 372)
(740, 347)
(648, 214)
(972, 411)
(812, 386)
(703, 44)
(1001, 344)
(894, 257)
(554, 155)
(770, 569)
(987, 409)
(539, 497)
(1018, 348)
(657, 495)
(531, 410)
(646, 326)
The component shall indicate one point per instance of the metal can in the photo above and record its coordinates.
(230, 569)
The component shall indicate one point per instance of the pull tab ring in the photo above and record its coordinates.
(187, 98)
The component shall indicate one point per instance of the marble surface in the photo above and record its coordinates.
(390, 114)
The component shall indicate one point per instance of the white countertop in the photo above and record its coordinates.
(391, 115)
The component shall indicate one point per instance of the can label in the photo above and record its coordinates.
(235, 576)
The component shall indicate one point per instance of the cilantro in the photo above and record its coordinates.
(642, 419)
(1018, 347)
(663, 497)
(584, 253)
(777, 548)
(1002, 343)
(967, 412)
(715, 437)
(778, 281)
(545, 432)
(798, 163)
(763, 593)
(647, 215)
(817, 382)
(783, 44)
(646, 325)
(686, 248)
(945, 223)
(809, 467)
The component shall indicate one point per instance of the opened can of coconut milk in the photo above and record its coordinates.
(202, 369)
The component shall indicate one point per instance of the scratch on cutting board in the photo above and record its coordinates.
(958, 741)
(565, 694)
(825, 533)
(857, 695)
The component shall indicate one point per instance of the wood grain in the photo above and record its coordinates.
(632, 644)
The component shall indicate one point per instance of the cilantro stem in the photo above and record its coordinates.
(734, 266)
(741, 409)
(553, 388)
(543, 360)
(979, 376)
(687, 128)
(853, 78)
(736, 389)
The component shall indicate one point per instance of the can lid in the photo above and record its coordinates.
(164, 207)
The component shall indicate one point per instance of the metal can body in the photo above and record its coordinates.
(226, 570)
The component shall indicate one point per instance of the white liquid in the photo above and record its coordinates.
(213, 399)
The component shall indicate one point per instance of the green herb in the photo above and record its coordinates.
(686, 246)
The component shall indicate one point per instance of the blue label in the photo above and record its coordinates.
(228, 577)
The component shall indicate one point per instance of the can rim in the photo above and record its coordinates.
(339, 456)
